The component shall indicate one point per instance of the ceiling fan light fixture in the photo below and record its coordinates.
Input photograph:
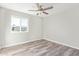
(41, 9)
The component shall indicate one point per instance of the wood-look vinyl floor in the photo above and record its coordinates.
(39, 48)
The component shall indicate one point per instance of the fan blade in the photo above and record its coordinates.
(33, 10)
(48, 8)
(45, 12)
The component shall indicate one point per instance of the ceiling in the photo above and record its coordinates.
(24, 7)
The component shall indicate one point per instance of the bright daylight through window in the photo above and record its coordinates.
(19, 24)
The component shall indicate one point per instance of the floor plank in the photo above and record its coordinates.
(39, 48)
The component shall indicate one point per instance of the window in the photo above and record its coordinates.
(19, 24)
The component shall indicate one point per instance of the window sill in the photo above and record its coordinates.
(19, 31)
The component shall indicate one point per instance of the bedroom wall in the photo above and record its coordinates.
(9, 38)
(63, 27)
(2, 28)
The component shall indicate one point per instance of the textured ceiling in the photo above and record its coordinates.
(24, 7)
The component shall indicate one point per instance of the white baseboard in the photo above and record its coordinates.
(61, 43)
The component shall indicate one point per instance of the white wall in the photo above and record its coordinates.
(2, 28)
(10, 38)
(63, 27)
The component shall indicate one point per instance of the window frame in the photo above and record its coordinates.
(20, 17)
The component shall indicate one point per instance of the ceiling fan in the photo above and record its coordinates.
(41, 9)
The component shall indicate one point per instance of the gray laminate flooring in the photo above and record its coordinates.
(39, 48)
